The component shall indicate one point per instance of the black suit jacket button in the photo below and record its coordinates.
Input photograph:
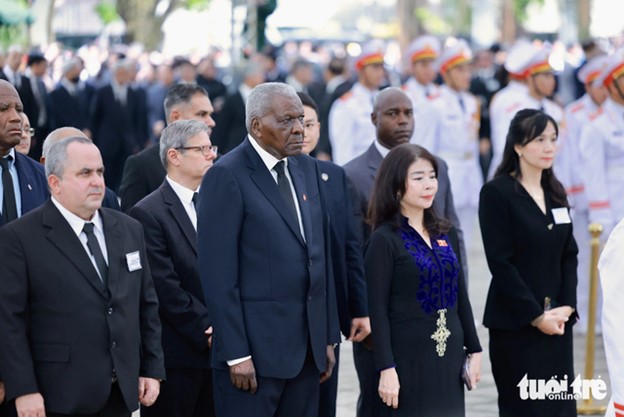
(310, 262)
(114, 345)
(110, 310)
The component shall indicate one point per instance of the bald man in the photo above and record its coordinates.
(110, 198)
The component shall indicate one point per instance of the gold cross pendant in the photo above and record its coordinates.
(441, 333)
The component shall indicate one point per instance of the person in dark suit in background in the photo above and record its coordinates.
(110, 198)
(35, 96)
(532, 255)
(70, 100)
(394, 123)
(144, 172)
(347, 252)
(115, 122)
(263, 261)
(169, 219)
(230, 129)
(79, 326)
(23, 186)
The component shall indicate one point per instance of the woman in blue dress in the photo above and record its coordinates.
(421, 318)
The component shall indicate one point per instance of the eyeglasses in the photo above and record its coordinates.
(204, 149)
(31, 131)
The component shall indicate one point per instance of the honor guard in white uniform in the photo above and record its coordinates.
(602, 150)
(506, 102)
(568, 170)
(350, 129)
(611, 268)
(534, 65)
(450, 129)
(419, 87)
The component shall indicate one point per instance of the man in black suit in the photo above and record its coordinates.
(110, 198)
(169, 220)
(263, 255)
(116, 122)
(230, 129)
(347, 262)
(71, 98)
(35, 96)
(23, 186)
(79, 326)
(144, 172)
(394, 123)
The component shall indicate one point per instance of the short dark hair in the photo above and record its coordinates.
(181, 93)
(306, 100)
(385, 203)
(35, 58)
(526, 125)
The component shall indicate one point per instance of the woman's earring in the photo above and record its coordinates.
(519, 154)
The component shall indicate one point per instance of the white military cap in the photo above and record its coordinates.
(423, 47)
(454, 55)
(613, 70)
(372, 53)
(592, 69)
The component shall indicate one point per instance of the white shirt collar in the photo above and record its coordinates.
(269, 160)
(75, 222)
(381, 149)
(184, 194)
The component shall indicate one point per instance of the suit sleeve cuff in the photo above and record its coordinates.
(237, 361)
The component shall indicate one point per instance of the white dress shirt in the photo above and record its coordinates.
(77, 224)
(186, 197)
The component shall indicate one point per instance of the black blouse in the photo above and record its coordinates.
(530, 255)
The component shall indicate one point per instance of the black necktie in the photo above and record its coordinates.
(96, 252)
(9, 207)
(195, 200)
(462, 104)
(284, 188)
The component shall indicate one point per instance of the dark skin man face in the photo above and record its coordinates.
(280, 132)
(393, 117)
(10, 117)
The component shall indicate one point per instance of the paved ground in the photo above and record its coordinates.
(482, 401)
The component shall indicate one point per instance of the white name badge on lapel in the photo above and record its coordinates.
(134, 261)
(561, 215)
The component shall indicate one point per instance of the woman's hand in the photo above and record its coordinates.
(563, 311)
(389, 387)
(475, 368)
(553, 322)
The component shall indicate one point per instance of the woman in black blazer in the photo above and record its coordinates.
(421, 319)
(531, 253)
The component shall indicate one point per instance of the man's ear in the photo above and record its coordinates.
(173, 157)
(175, 115)
(256, 127)
(374, 118)
(53, 183)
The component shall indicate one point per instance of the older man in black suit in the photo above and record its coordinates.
(169, 218)
(262, 241)
(79, 325)
(394, 122)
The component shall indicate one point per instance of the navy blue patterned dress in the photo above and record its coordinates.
(421, 318)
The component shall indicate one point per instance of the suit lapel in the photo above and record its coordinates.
(115, 249)
(374, 160)
(301, 191)
(26, 184)
(63, 237)
(267, 185)
(179, 214)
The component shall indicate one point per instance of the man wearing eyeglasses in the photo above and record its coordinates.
(143, 172)
(169, 219)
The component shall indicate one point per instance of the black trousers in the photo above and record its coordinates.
(329, 391)
(186, 393)
(368, 404)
